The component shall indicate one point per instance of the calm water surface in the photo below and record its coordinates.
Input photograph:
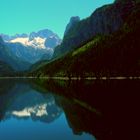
(66, 110)
(30, 114)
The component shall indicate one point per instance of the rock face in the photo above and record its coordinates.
(71, 23)
(104, 20)
(52, 42)
(42, 33)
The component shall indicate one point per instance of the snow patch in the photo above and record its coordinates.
(37, 42)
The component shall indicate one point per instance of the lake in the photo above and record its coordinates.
(39, 109)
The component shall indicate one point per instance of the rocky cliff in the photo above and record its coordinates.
(104, 20)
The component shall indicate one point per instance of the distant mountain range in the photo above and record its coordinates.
(34, 39)
(27, 49)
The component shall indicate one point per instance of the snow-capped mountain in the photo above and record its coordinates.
(35, 39)
(36, 42)
(32, 47)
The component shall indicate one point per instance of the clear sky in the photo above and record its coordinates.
(25, 16)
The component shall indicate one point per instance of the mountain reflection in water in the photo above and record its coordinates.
(69, 110)
(29, 112)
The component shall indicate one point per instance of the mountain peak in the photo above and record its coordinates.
(74, 18)
(34, 39)
(72, 22)
(29, 47)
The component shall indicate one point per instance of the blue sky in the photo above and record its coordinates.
(25, 16)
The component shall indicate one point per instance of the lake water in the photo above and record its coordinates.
(67, 110)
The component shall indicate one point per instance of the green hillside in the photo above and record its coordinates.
(103, 21)
(116, 54)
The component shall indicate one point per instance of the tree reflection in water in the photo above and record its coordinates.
(106, 109)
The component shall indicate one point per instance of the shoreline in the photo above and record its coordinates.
(76, 78)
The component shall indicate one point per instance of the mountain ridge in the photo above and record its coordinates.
(115, 54)
(23, 48)
(104, 20)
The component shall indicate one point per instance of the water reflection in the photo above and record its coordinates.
(30, 111)
(107, 109)
(70, 110)
(22, 102)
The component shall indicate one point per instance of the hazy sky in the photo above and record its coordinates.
(25, 16)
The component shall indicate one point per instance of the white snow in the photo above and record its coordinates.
(39, 110)
(37, 42)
